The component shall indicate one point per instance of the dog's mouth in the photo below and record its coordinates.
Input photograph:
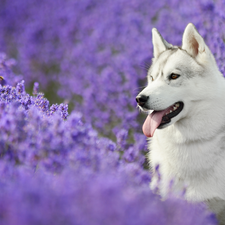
(160, 119)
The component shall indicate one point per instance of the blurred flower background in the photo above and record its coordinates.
(75, 154)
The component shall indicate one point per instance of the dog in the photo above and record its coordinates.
(185, 102)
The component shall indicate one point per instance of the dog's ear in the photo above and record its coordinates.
(159, 44)
(192, 41)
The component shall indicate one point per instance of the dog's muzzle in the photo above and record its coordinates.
(141, 100)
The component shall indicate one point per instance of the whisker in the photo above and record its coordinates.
(146, 65)
(143, 110)
(138, 88)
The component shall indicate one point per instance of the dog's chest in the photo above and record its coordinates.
(184, 157)
(191, 164)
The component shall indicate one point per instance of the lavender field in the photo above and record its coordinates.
(75, 155)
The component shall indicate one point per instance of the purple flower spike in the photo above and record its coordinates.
(20, 89)
(36, 88)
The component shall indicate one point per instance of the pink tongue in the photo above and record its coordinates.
(152, 122)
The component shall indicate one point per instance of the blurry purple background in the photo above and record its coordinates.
(91, 53)
(86, 167)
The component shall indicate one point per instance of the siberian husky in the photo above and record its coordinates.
(185, 99)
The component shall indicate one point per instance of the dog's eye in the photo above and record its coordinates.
(151, 78)
(174, 76)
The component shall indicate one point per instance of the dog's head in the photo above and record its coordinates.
(174, 83)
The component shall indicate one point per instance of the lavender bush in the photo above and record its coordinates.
(55, 168)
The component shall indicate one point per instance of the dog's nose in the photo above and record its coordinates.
(141, 99)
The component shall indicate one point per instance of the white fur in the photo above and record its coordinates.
(191, 149)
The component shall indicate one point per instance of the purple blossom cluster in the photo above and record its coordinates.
(6, 74)
(17, 94)
(91, 51)
(83, 198)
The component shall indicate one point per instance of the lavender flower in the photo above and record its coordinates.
(64, 110)
(121, 137)
(6, 74)
(41, 102)
(36, 88)
(54, 108)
